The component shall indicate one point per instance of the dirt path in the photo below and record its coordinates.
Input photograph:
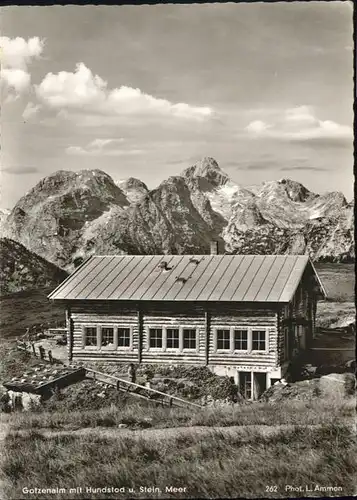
(171, 432)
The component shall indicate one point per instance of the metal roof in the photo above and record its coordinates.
(236, 278)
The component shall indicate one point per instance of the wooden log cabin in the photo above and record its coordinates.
(244, 316)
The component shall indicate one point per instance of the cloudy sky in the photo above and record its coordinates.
(145, 91)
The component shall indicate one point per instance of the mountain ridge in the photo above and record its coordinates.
(71, 215)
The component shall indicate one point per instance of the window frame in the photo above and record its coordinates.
(266, 336)
(84, 337)
(197, 340)
(155, 327)
(237, 351)
(173, 350)
(99, 328)
(249, 330)
(107, 347)
(116, 342)
(216, 349)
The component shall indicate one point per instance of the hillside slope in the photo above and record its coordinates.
(21, 269)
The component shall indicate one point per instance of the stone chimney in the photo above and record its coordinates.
(214, 248)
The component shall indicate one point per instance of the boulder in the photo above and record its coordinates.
(337, 385)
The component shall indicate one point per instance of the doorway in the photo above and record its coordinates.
(245, 384)
(259, 384)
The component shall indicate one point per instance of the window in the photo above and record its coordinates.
(107, 336)
(189, 338)
(90, 336)
(240, 340)
(223, 339)
(258, 340)
(155, 337)
(123, 337)
(172, 338)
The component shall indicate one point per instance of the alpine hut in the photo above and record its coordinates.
(245, 316)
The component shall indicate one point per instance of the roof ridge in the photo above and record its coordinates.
(202, 255)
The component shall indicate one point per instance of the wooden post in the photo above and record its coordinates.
(207, 329)
(50, 356)
(33, 349)
(69, 325)
(140, 333)
(42, 352)
(252, 386)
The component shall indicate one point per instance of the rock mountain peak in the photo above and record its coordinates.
(75, 214)
(207, 168)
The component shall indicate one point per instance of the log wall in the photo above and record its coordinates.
(184, 315)
(250, 318)
(205, 318)
(300, 311)
(93, 314)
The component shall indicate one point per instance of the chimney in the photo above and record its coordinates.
(214, 248)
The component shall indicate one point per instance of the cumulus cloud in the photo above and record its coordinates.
(257, 126)
(301, 115)
(300, 124)
(17, 79)
(105, 143)
(103, 147)
(16, 55)
(83, 91)
(30, 110)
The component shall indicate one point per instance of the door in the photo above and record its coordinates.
(259, 384)
(245, 384)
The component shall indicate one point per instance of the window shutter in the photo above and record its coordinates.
(83, 337)
(131, 342)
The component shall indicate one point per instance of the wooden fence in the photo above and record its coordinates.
(41, 352)
(139, 390)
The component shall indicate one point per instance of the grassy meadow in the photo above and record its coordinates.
(225, 453)
(338, 280)
(32, 309)
(139, 415)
